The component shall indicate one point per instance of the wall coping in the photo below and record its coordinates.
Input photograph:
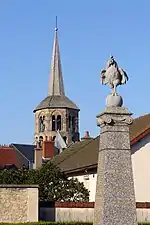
(19, 186)
(48, 204)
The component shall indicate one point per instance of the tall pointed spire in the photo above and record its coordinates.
(56, 85)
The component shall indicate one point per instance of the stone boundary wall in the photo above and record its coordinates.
(82, 211)
(18, 203)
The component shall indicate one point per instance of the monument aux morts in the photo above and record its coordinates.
(115, 197)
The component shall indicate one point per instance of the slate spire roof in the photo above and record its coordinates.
(56, 85)
(56, 93)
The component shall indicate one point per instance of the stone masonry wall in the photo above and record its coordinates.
(18, 203)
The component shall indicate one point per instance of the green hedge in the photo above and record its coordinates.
(59, 223)
(144, 223)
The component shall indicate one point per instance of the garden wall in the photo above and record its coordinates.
(65, 211)
(18, 203)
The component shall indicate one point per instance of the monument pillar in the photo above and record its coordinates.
(115, 198)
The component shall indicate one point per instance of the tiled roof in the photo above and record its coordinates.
(26, 150)
(85, 154)
(56, 101)
(70, 152)
(8, 156)
(139, 125)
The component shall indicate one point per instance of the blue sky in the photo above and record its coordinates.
(89, 31)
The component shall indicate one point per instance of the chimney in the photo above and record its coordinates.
(48, 149)
(37, 156)
(86, 137)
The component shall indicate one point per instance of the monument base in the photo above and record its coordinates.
(115, 198)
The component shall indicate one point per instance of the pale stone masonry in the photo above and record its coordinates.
(18, 203)
(65, 129)
(115, 197)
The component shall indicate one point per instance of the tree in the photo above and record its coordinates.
(53, 184)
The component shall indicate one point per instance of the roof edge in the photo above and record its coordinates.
(140, 136)
(94, 166)
(35, 110)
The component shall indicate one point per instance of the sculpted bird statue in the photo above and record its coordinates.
(113, 75)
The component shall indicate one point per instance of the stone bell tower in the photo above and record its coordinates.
(56, 111)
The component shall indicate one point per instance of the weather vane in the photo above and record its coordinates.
(113, 76)
(56, 28)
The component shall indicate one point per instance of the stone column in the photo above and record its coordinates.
(115, 198)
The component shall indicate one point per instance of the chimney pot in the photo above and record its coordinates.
(48, 149)
(87, 134)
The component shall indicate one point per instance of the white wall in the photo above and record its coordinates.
(82, 214)
(141, 172)
(90, 183)
(141, 169)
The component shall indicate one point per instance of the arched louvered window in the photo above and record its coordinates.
(69, 121)
(40, 141)
(65, 138)
(58, 122)
(73, 123)
(53, 123)
(54, 138)
(42, 124)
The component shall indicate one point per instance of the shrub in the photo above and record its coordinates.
(53, 184)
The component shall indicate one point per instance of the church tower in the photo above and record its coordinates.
(56, 111)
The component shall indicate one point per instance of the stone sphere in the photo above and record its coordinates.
(114, 101)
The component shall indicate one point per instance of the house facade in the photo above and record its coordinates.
(80, 161)
(141, 173)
